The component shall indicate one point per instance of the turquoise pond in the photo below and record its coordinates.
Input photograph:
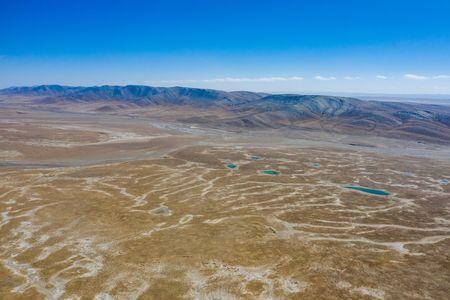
(270, 172)
(231, 166)
(368, 190)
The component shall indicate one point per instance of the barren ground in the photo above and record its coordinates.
(114, 207)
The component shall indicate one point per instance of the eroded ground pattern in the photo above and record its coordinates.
(189, 226)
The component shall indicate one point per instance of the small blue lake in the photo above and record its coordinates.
(270, 172)
(367, 190)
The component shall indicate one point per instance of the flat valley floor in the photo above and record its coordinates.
(110, 207)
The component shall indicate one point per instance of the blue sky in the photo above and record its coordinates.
(378, 46)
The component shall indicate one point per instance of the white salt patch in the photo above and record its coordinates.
(376, 293)
(343, 285)
(215, 221)
(216, 295)
(95, 261)
(43, 238)
(5, 154)
(5, 218)
(185, 219)
(104, 246)
(103, 296)
(11, 130)
(10, 201)
(292, 286)
(141, 200)
(162, 210)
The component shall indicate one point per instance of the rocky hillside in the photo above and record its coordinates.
(248, 110)
(137, 94)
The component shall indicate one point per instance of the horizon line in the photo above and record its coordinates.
(243, 90)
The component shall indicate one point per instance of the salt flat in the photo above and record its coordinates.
(125, 208)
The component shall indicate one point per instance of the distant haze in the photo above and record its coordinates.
(440, 99)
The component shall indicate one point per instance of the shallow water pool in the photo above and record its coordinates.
(368, 190)
(270, 172)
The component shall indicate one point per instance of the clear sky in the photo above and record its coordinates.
(381, 46)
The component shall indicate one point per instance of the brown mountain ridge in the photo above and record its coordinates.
(244, 110)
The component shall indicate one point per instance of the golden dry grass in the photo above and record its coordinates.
(181, 225)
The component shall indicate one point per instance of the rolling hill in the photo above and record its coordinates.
(253, 111)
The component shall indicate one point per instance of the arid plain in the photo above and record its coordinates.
(97, 206)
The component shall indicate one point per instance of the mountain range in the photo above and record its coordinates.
(249, 110)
